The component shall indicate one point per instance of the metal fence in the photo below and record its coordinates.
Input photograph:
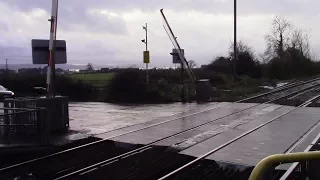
(18, 124)
(57, 110)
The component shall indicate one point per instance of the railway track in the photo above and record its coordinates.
(295, 171)
(137, 165)
(71, 163)
(180, 169)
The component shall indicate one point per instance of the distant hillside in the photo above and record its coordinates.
(62, 66)
(80, 67)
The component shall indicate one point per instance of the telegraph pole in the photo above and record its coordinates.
(146, 53)
(146, 28)
(7, 71)
(235, 53)
(52, 45)
(183, 96)
(147, 77)
(7, 65)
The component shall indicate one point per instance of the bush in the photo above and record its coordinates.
(75, 90)
(165, 85)
(130, 87)
(215, 78)
(294, 65)
(23, 85)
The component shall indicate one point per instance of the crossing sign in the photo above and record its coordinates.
(40, 51)
(175, 56)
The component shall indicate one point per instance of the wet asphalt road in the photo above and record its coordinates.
(96, 118)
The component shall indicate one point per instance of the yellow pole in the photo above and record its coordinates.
(276, 159)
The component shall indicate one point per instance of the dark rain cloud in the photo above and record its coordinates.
(3, 26)
(211, 6)
(75, 15)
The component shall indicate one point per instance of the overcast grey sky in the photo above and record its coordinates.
(109, 32)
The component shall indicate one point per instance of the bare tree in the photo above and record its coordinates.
(241, 48)
(89, 67)
(278, 39)
(300, 41)
(192, 64)
(263, 58)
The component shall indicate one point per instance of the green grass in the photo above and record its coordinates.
(93, 76)
(95, 79)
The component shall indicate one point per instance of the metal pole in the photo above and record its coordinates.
(7, 72)
(54, 53)
(235, 42)
(52, 45)
(183, 97)
(147, 76)
(146, 36)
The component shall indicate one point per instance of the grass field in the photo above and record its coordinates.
(95, 79)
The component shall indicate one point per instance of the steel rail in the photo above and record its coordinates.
(314, 142)
(148, 146)
(279, 89)
(230, 142)
(2, 170)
